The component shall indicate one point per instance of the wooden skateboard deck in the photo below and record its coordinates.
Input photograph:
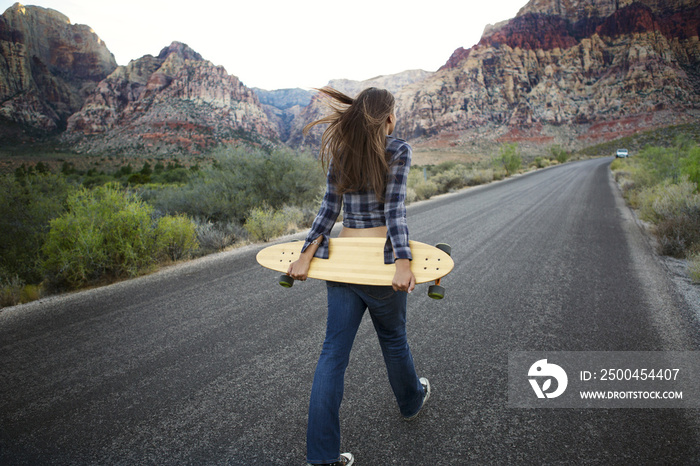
(359, 261)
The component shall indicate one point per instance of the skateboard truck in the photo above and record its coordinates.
(436, 291)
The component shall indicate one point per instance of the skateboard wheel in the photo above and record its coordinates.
(436, 292)
(286, 281)
(445, 247)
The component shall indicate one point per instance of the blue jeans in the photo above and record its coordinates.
(346, 306)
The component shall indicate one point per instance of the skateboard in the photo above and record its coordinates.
(361, 261)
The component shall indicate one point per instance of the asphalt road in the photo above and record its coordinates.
(211, 362)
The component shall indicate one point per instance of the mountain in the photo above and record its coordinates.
(282, 106)
(284, 98)
(566, 72)
(317, 108)
(48, 67)
(59, 81)
(175, 102)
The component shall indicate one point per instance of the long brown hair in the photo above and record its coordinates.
(354, 144)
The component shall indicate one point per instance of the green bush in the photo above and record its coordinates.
(242, 179)
(265, 223)
(10, 291)
(509, 159)
(14, 291)
(662, 182)
(669, 200)
(694, 267)
(690, 166)
(295, 218)
(27, 205)
(633, 179)
(214, 237)
(540, 162)
(442, 178)
(176, 236)
(559, 154)
(411, 196)
(106, 232)
(451, 179)
(663, 163)
(675, 210)
(477, 177)
(425, 190)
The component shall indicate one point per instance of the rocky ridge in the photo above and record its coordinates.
(564, 72)
(48, 67)
(176, 101)
(59, 79)
(567, 72)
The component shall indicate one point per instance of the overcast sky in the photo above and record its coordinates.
(275, 44)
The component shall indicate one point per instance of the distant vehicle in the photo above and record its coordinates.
(621, 153)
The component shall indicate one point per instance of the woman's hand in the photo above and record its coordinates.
(299, 269)
(404, 280)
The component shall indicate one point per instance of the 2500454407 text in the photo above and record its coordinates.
(612, 375)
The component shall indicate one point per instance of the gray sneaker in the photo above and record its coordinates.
(346, 459)
(426, 388)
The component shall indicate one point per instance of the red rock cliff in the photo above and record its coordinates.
(176, 101)
(598, 68)
(47, 67)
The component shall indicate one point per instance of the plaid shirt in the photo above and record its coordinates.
(362, 210)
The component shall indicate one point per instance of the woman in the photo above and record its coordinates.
(367, 173)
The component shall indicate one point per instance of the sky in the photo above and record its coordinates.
(277, 44)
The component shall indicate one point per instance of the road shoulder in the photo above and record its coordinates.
(665, 280)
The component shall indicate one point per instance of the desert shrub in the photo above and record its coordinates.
(14, 291)
(694, 267)
(633, 179)
(411, 196)
(10, 290)
(27, 205)
(675, 209)
(217, 236)
(559, 154)
(105, 232)
(616, 165)
(662, 163)
(442, 178)
(452, 178)
(425, 190)
(294, 218)
(690, 166)
(176, 236)
(669, 200)
(242, 179)
(416, 175)
(662, 183)
(509, 159)
(265, 223)
(677, 234)
(481, 176)
(30, 293)
(540, 162)
(499, 174)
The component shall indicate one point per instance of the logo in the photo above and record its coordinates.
(543, 370)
